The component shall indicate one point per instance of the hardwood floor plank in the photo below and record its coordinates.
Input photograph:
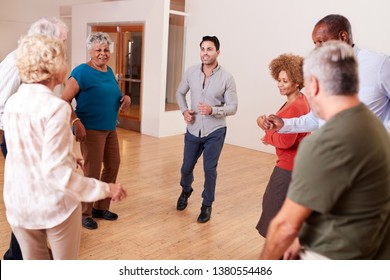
(149, 226)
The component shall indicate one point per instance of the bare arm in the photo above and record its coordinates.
(125, 103)
(283, 229)
(69, 93)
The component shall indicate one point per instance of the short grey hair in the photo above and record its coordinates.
(335, 66)
(98, 38)
(52, 27)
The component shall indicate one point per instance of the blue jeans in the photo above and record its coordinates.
(13, 252)
(211, 147)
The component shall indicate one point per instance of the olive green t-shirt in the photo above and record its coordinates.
(342, 173)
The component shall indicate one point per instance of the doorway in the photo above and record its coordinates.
(126, 62)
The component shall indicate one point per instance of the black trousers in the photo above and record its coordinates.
(13, 252)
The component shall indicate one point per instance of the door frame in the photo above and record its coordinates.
(124, 120)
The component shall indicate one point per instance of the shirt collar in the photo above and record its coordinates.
(214, 70)
(356, 49)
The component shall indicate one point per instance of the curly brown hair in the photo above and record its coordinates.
(292, 64)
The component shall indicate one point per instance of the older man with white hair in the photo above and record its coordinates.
(338, 202)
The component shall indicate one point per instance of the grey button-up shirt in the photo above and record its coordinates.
(219, 91)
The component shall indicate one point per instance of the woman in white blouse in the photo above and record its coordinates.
(42, 190)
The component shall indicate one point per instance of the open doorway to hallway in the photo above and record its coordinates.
(126, 63)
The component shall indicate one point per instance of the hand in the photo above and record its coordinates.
(79, 131)
(80, 163)
(263, 140)
(275, 122)
(292, 253)
(117, 192)
(260, 122)
(125, 103)
(204, 109)
(189, 116)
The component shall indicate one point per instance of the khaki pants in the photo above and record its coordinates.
(64, 240)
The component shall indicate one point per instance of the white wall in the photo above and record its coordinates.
(253, 32)
(154, 14)
(17, 15)
(15, 22)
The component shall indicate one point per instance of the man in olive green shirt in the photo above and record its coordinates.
(338, 202)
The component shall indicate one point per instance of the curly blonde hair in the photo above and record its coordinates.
(40, 58)
(292, 64)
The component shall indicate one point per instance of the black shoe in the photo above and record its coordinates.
(13, 252)
(89, 223)
(50, 253)
(104, 214)
(183, 200)
(205, 214)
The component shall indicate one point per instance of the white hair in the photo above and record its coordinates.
(98, 38)
(52, 27)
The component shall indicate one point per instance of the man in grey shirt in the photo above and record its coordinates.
(213, 97)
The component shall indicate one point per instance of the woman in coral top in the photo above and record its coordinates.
(287, 71)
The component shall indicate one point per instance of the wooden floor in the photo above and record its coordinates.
(149, 226)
